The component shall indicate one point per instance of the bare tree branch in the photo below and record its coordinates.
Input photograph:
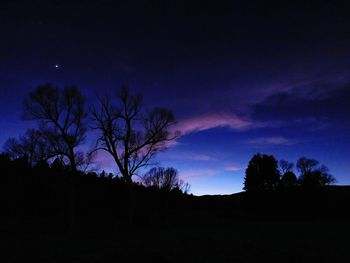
(128, 134)
(61, 115)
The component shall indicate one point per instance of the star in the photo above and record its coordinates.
(57, 66)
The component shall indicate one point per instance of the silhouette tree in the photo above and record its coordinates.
(61, 115)
(58, 164)
(285, 166)
(261, 174)
(164, 179)
(305, 165)
(289, 180)
(128, 134)
(131, 136)
(31, 145)
(312, 174)
(103, 174)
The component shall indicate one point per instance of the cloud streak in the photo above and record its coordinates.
(206, 122)
(191, 156)
(277, 140)
(198, 173)
(233, 168)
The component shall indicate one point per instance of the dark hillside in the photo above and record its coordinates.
(168, 226)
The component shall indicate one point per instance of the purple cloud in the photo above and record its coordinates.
(198, 173)
(191, 156)
(277, 140)
(233, 167)
(206, 122)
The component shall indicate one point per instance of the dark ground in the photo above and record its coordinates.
(283, 226)
(236, 241)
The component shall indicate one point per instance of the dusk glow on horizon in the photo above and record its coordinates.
(267, 80)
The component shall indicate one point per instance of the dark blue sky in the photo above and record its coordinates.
(240, 78)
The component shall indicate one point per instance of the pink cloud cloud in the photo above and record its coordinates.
(191, 156)
(197, 173)
(278, 140)
(233, 168)
(169, 144)
(200, 157)
(206, 122)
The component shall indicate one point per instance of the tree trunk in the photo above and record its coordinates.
(71, 225)
(72, 196)
(131, 203)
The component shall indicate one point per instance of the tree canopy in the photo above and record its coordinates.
(61, 117)
(164, 179)
(262, 173)
(312, 174)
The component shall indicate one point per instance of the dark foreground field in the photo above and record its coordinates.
(236, 241)
(198, 229)
(50, 215)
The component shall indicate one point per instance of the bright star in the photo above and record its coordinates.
(57, 66)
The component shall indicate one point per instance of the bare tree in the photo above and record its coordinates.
(61, 115)
(165, 179)
(312, 174)
(31, 145)
(305, 165)
(130, 135)
(285, 166)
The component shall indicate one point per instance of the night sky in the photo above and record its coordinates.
(240, 78)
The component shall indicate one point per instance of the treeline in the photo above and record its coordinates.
(280, 189)
(120, 125)
(264, 173)
(51, 196)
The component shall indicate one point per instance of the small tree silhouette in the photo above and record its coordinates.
(312, 174)
(285, 166)
(164, 179)
(32, 145)
(289, 180)
(261, 174)
(305, 165)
